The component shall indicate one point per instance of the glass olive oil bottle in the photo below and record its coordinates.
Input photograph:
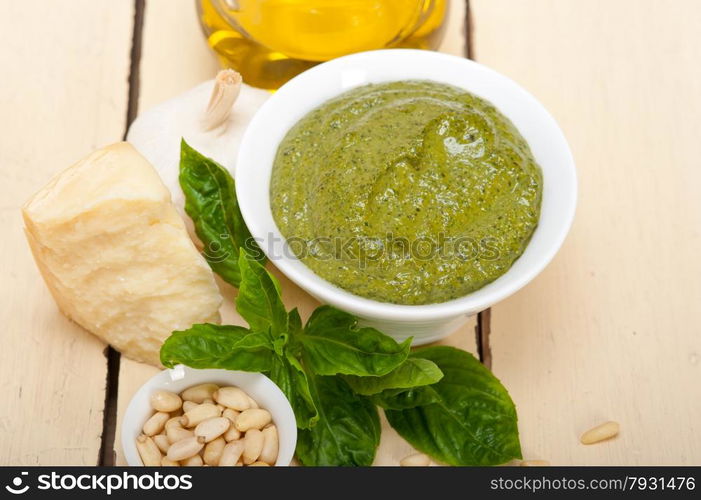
(270, 41)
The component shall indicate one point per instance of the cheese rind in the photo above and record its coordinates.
(116, 255)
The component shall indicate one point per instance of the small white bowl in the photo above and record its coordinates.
(315, 86)
(258, 386)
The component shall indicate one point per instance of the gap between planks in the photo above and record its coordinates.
(483, 326)
(109, 419)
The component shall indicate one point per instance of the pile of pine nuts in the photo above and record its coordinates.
(207, 425)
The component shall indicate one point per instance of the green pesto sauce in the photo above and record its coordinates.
(410, 192)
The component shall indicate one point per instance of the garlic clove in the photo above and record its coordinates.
(227, 86)
(157, 133)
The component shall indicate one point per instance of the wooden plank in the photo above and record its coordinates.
(610, 330)
(175, 54)
(455, 39)
(168, 69)
(63, 94)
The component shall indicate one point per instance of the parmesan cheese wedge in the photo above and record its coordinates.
(116, 255)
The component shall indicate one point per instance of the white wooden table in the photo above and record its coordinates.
(609, 331)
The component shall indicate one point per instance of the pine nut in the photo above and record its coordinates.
(199, 414)
(259, 464)
(252, 402)
(213, 451)
(199, 393)
(270, 445)
(189, 405)
(208, 401)
(415, 460)
(233, 434)
(156, 423)
(255, 418)
(176, 434)
(231, 453)
(194, 461)
(185, 448)
(534, 463)
(173, 422)
(230, 414)
(166, 462)
(253, 446)
(162, 442)
(232, 397)
(212, 428)
(165, 401)
(148, 451)
(601, 432)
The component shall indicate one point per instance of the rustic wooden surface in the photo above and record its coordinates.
(611, 329)
(606, 332)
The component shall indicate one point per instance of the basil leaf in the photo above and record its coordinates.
(294, 327)
(259, 301)
(210, 201)
(472, 421)
(402, 399)
(348, 430)
(414, 372)
(294, 322)
(288, 374)
(217, 346)
(334, 344)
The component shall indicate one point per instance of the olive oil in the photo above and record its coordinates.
(270, 41)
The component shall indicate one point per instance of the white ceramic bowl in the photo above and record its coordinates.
(313, 87)
(258, 386)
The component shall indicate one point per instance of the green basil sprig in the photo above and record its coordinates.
(210, 201)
